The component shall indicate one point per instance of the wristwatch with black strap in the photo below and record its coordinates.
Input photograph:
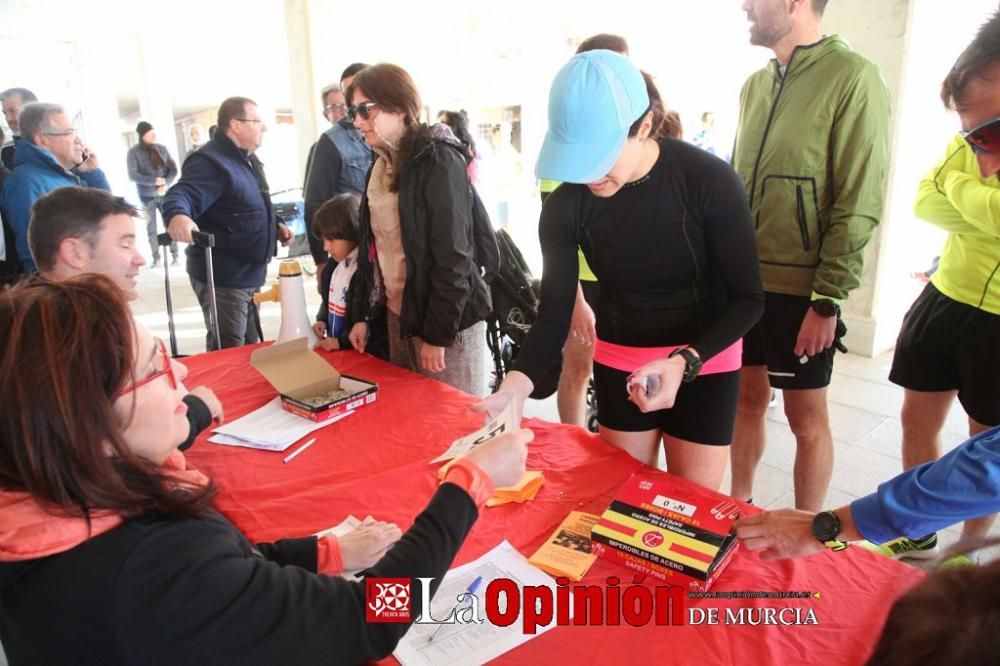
(826, 527)
(692, 364)
(825, 307)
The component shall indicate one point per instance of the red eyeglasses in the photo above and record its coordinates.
(167, 369)
(984, 138)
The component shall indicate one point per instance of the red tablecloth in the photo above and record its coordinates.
(376, 462)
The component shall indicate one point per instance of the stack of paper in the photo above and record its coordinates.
(523, 491)
(270, 428)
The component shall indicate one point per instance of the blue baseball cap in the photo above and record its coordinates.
(593, 101)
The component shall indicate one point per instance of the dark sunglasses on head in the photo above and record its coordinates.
(364, 110)
(984, 138)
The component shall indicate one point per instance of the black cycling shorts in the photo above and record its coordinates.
(771, 342)
(946, 345)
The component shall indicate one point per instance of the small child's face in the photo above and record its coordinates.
(338, 248)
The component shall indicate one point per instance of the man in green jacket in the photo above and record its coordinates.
(812, 148)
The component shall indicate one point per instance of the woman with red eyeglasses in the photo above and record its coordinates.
(425, 236)
(110, 551)
(949, 344)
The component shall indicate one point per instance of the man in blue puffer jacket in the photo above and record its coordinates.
(49, 155)
(223, 191)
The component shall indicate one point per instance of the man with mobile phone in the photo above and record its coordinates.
(51, 154)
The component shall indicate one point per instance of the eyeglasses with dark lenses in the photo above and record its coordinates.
(984, 138)
(364, 110)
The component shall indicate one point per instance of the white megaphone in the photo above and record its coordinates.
(289, 291)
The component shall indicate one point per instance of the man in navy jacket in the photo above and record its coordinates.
(223, 191)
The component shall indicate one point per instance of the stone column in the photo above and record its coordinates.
(305, 90)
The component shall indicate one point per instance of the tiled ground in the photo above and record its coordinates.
(864, 406)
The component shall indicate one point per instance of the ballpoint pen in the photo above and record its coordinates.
(299, 450)
(467, 596)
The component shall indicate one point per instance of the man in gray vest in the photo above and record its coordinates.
(339, 160)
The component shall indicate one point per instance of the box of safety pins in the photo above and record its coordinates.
(669, 528)
(309, 386)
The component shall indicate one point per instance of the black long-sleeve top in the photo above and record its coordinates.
(674, 253)
(171, 591)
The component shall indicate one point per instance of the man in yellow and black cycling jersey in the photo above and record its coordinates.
(950, 341)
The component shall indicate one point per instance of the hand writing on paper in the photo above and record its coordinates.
(364, 546)
(503, 457)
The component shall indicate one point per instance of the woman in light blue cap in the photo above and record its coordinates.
(666, 229)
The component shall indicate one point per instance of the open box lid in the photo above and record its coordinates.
(295, 369)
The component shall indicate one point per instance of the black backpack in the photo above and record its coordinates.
(515, 295)
(487, 253)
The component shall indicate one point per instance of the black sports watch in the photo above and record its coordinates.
(826, 526)
(692, 364)
(825, 308)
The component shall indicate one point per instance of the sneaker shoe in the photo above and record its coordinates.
(773, 402)
(925, 548)
(156, 262)
(958, 561)
(175, 262)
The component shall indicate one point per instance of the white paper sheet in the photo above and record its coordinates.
(472, 644)
(270, 428)
(348, 524)
(505, 421)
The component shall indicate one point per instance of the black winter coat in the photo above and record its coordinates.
(445, 291)
(158, 590)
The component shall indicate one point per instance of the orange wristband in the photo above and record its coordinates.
(470, 477)
(329, 560)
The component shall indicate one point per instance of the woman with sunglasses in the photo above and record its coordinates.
(110, 551)
(666, 229)
(422, 234)
(949, 341)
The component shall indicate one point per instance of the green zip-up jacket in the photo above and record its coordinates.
(813, 150)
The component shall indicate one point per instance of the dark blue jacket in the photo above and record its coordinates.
(223, 189)
(36, 173)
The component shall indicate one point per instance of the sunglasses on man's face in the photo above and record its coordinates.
(364, 110)
(984, 138)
